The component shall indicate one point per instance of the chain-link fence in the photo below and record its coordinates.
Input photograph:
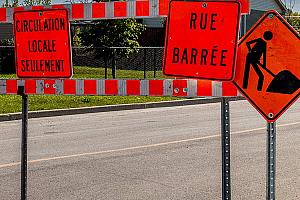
(104, 62)
(7, 59)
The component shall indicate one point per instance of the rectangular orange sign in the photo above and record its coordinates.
(164, 6)
(42, 44)
(201, 39)
(245, 6)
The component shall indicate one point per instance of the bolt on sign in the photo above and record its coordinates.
(201, 39)
(42, 44)
(268, 71)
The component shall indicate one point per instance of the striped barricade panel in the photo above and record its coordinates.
(30, 87)
(179, 88)
(98, 11)
(228, 89)
(11, 87)
(49, 86)
(204, 88)
(133, 87)
(102, 10)
(78, 11)
(121, 87)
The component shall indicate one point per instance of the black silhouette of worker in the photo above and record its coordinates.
(257, 52)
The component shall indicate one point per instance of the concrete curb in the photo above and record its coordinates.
(96, 109)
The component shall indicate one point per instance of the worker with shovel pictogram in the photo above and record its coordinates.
(284, 82)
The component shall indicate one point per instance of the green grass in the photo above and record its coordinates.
(8, 76)
(92, 72)
(12, 103)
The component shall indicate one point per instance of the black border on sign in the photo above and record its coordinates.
(69, 44)
(235, 48)
(276, 14)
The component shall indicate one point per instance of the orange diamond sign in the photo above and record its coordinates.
(268, 69)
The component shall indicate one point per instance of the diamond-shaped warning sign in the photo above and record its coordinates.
(268, 66)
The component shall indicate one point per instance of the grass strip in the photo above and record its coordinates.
(13, 103)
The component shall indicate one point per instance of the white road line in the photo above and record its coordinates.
(139, 147)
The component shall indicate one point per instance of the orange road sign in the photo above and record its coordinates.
(245, 6)
(268, 66)
(201, 40)
(42, 44)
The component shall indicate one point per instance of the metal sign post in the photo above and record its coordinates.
(24, 142)
(225, 137)
(271, 160)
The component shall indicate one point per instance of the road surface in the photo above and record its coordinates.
(155, 154)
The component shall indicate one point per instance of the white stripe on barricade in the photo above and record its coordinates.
(144, 87)
(217, 89)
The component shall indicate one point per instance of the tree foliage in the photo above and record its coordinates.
(103, 34)
(36, 2)
(15, 3)
(289, 4)
(294, 20)
(111, 33)
(292, 17)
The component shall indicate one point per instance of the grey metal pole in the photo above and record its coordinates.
(145, 75)
(271, 160)
(225, 137)
(114, 65)
(243, 29)
(24, 142)
(154, 64)
(105, 63)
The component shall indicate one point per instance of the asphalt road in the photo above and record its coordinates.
(158, 153)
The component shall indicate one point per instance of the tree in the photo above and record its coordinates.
(112, 33)
(292, 17)
(36, 2)
(294, 20)
(289, 4)
(99, 36)
(7, 3)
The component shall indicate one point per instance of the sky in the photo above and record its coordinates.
(297, 6)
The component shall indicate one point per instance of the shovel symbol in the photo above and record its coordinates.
(285, 82)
